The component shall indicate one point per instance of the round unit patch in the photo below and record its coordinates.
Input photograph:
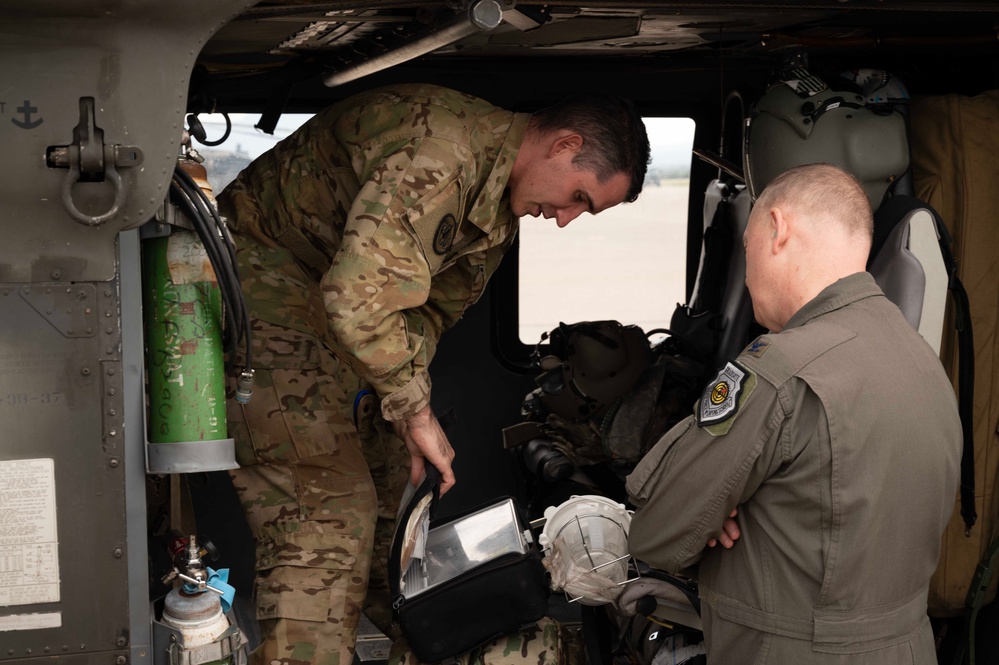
(444, 235)
(720, 400)
(719, 392)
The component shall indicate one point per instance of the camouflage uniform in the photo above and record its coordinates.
(360, 238)
(545, 643)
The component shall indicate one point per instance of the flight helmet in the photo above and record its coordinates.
(803, 120)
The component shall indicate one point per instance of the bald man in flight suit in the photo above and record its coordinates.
(825, 458)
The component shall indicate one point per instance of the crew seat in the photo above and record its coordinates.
(907, 263)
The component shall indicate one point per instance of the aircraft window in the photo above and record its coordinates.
(627, 263)
(244, 144)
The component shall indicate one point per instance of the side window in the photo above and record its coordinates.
(244, 143)
(627, 263)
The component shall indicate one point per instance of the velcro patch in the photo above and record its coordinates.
(720, 400)
(757, 348)
(444, 235)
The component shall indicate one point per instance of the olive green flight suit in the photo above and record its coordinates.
(839, 442)
(360, 239)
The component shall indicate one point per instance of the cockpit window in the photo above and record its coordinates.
(627, 263)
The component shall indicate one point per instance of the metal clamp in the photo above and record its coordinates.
(227, 644)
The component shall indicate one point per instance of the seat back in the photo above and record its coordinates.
(719, 317)
(908, 264)
(735, 305)
(911, 261)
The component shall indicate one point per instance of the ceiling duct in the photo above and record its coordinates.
(481, 16)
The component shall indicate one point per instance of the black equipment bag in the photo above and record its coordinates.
(464, 591)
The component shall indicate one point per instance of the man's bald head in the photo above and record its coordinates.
(810, 227)
(822, 193)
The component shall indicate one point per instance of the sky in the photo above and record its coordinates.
(670, 138)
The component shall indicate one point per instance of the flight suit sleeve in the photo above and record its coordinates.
(377, 287)
(696, 474)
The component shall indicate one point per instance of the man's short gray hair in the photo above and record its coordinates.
(822, 190)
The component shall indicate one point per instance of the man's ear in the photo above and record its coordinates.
(566, 140)
(780, 229)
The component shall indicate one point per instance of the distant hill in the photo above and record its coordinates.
(657, 174)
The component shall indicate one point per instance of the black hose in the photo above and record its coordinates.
(187, 195)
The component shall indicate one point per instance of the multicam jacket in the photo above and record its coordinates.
(393, 202)
(839, 441)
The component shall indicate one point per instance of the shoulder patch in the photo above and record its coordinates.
(444, 235)
(720, 400)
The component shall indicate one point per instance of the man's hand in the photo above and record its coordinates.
(426, 442)
(730, 532)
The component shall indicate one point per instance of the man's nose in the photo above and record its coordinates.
(565, 215)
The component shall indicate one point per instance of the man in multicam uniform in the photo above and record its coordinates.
(360, 239)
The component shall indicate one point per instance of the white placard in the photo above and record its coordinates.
(29, 546)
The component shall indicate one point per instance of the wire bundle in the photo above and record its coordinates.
(190, 199)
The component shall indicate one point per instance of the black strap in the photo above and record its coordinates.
(596, 635)
(687, 587)
(291, 73)
(718, 243)
(274, 107)
(965, 404)
(965, 374)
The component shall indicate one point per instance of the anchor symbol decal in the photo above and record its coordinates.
(26, 111)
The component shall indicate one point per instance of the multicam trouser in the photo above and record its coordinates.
(319, 497)
(546, 643)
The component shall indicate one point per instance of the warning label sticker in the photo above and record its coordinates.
(29, 547)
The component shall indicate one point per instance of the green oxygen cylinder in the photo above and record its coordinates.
(182, 307)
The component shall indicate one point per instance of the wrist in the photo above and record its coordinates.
(421, 418)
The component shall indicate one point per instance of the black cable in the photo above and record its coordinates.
(680, 341)
(222, 255)
(180, 198)
(222, 259)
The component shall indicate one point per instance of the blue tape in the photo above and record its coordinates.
(357, 400)
(217, 579)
